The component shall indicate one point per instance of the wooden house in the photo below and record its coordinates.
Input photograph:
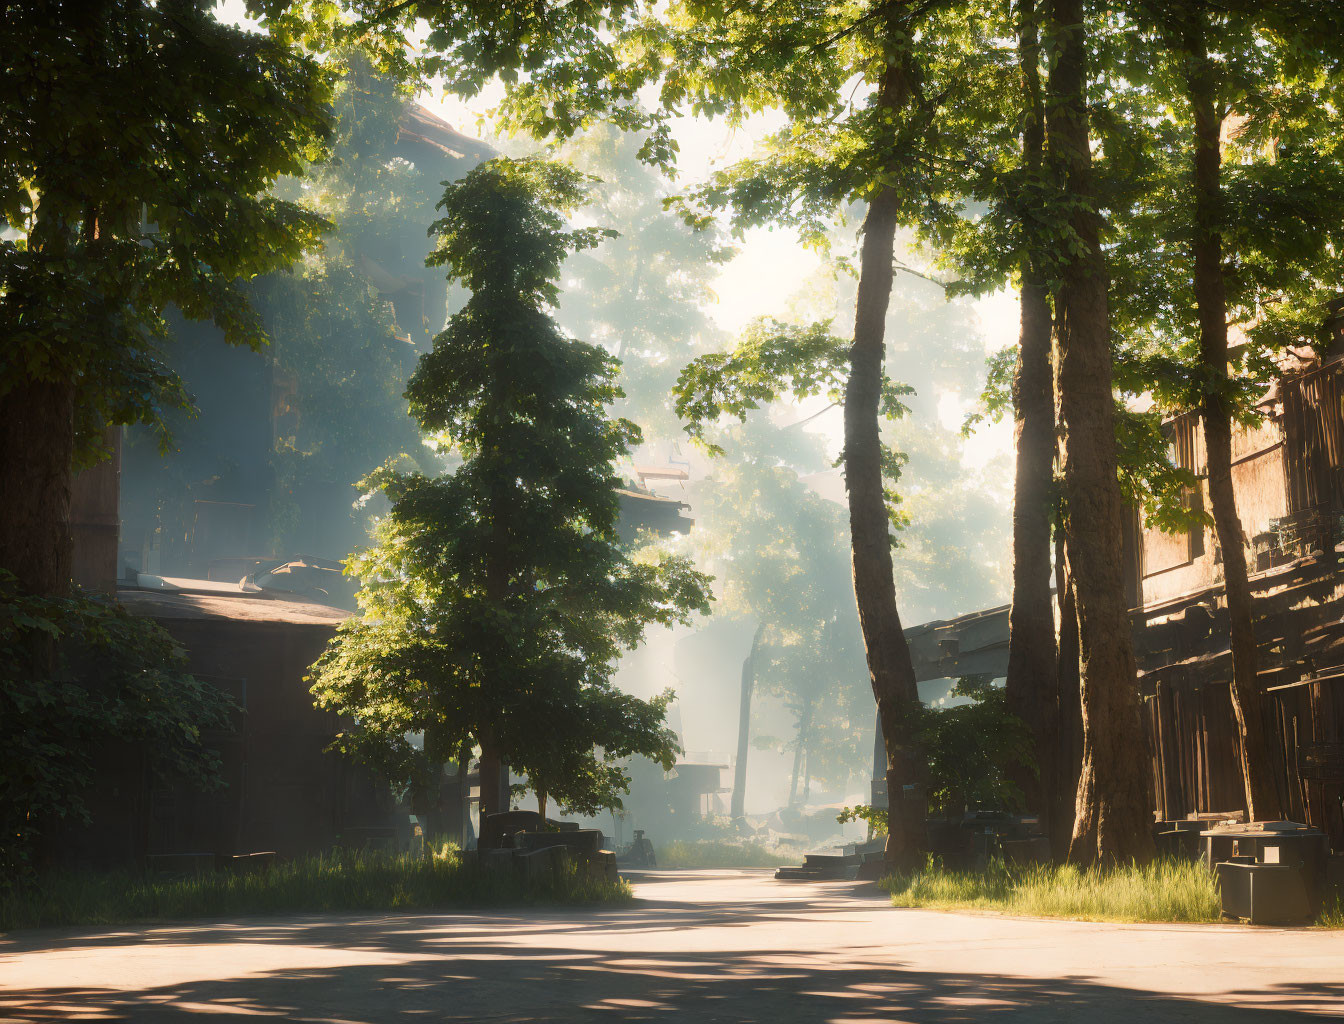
(1288, 475)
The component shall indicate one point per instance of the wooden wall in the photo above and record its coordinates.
(1186, 668)
(1288, 473)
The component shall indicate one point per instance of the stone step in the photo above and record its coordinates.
(808, 874)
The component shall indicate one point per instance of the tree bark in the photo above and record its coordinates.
(889, 668)
(1031, 685)
(541, 803)
(490, 768)
(1068, 752)
(1113, 811)
(1262, 799)
(738, 809)
(37, 436)
(804, 726)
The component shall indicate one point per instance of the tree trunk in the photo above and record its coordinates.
(491, 764)
(1068, 753)
(1262, 800)
(37, 436)
(1114, 817)
(462, 826)
(804, 723)
(491, 769)
(1031, 685)
(541, 803)
(738, 811)
(889, 668)
(807, 773)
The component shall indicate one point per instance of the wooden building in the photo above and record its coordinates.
(1288, 475)
(283, 792)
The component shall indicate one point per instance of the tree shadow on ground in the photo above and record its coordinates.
(335, 929)
(398, 969)
(479, 982)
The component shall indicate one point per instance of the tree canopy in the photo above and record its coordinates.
(138, 144)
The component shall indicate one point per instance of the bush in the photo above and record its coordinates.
(311, 885)
(972, 749)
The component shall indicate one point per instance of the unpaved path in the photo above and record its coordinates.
(699, 946)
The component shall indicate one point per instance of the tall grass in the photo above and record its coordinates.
(706, 853)
(1332, 910)
(316, 884)
(1166, 890)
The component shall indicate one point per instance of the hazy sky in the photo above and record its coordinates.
(769, 263)
(772, 263)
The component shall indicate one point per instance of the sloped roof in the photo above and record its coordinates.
(159, 604)
(422, 128)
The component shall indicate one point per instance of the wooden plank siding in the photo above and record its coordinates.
(1288, 474)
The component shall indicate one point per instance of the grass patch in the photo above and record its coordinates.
(707, 853)
(1332, 910)
(1165, 890)
(310, 885)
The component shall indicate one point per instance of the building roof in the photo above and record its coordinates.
(626, 494)
(236, 607)
(644, 510)
(421, 127)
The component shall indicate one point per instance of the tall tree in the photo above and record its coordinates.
(863, 99)
(772, 360)
(1031, 685)
(1113, 812)
(498, 597)
(737, 807)
(1003, 238)
(138, 143)
(1202, 75)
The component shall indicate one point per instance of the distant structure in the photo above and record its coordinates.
(207, 514)
(644, 510)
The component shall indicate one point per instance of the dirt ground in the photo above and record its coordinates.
(701, 946)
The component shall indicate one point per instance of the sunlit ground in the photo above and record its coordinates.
(705, 946)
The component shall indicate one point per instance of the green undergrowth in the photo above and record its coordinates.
(1332, 911)
(312, 885)
(1165, 890)
(706, 853)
